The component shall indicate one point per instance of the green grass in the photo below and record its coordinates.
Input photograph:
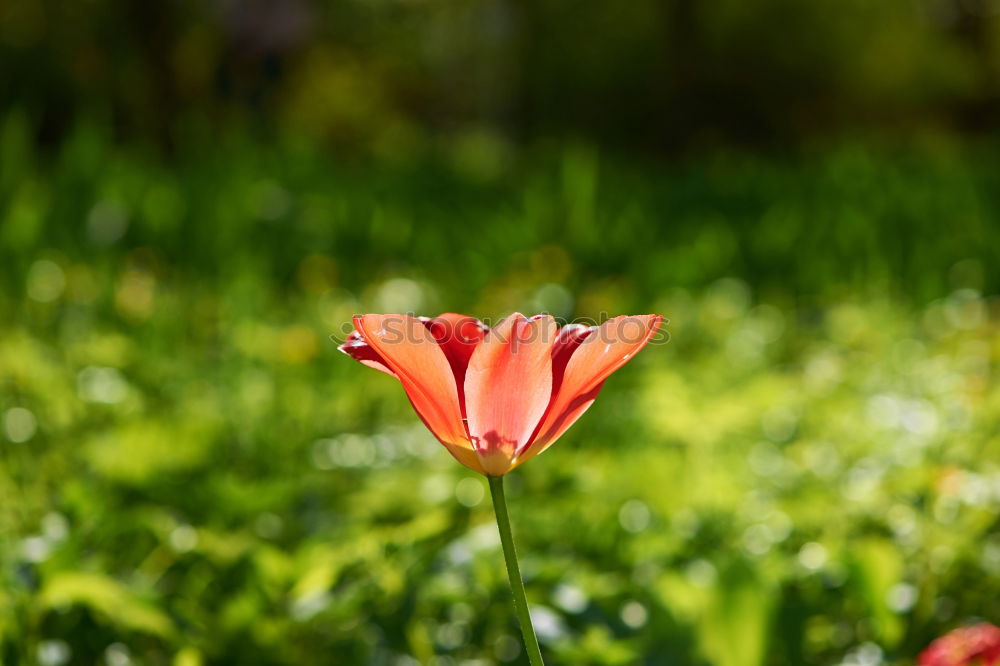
(806, 470)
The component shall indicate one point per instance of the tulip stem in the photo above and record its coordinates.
(513, 572)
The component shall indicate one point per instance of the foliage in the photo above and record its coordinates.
(381, 74)
(806, 473)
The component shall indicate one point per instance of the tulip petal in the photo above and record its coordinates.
(408, 349)
(594, 359)
(508, 385)
(569, 339)
(458, 336)
(356, 347)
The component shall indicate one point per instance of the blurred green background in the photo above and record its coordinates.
(194, 196)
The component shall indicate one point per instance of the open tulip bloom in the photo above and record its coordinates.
(498, 397)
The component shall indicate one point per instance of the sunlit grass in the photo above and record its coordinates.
(190, 472)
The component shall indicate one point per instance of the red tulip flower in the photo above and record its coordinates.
(977, 645)
(496, 398)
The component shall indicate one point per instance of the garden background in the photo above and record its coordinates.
(196, 196)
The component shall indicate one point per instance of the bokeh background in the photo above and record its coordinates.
(195, 196)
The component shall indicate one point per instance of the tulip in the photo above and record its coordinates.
(976, 645)
(497, 398)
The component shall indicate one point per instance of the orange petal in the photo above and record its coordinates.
(602, 351)
(508, 385)
(408, 349)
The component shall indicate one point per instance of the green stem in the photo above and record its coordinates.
(513, 572)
